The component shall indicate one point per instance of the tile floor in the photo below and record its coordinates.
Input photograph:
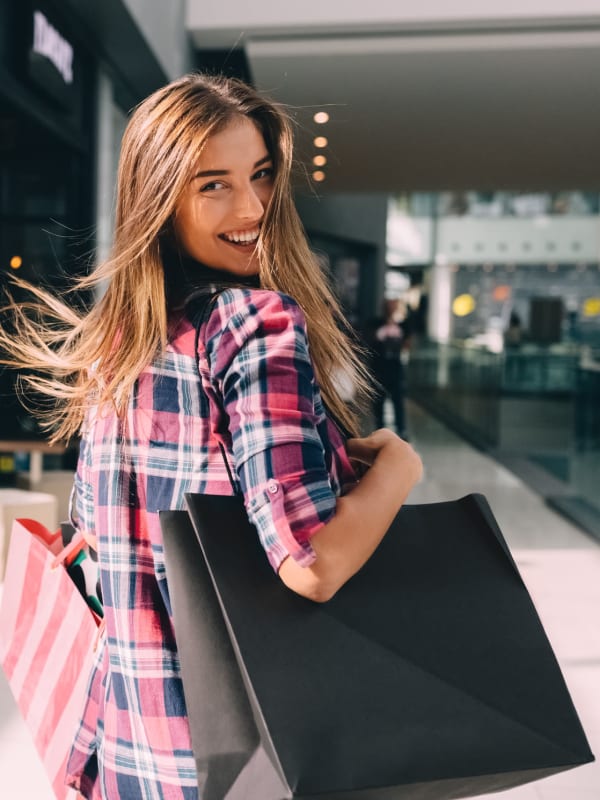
(559, 563)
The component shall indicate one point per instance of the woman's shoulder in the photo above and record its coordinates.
(240, 308)
(261, 323)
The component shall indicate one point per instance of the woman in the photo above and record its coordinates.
(203, 202)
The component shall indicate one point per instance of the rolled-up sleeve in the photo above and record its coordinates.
(260, 367)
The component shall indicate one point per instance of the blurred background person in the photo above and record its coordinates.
(388, 338)
(513, 335)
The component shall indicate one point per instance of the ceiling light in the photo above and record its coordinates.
(321, 117)
(320, 141)
(318, 175)
(319, 161)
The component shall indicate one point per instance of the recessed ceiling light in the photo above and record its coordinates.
(319, 161)
(318, 175)
(320, 141)
(321, 117)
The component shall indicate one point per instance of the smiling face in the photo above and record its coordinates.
(218, 218)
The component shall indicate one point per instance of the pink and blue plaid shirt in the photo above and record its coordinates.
(258, 395)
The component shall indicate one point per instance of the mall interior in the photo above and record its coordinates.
(447, 161)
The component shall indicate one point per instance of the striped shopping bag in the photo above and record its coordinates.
(47, 637)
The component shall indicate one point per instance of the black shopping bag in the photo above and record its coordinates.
(428, 676)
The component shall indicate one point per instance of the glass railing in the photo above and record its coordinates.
(584, 502)
(459, 384)
(531, 369)
(532, 406)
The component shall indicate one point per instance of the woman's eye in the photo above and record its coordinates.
(266, 172)
(213, 186)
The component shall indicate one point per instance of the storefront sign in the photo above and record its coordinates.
(51, 58)
(48, 42)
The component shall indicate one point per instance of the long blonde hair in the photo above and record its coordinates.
(160, 148)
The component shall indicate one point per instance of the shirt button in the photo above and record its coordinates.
(272, 487)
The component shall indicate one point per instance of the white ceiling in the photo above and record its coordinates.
(507, 109)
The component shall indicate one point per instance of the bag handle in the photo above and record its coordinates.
(68, 553)
(199, 319)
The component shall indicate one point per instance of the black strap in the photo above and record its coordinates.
(200, 308)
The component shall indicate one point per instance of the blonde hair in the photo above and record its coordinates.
(160, 148)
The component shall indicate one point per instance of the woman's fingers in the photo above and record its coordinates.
(361, 451)
(365, 449)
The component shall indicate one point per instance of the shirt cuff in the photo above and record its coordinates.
(267, 512)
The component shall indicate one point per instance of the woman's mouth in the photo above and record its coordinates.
(241, 238)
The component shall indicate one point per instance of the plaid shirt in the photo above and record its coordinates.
(133, 740)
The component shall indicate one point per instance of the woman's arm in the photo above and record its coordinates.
(361, 519)
(260, 372)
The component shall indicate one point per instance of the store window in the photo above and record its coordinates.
(46, 183)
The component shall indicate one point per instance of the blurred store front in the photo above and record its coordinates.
(511, 357)
(46, 159)
(69, 73)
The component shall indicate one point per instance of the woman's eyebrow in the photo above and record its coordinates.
(263, 161)
(214, 173)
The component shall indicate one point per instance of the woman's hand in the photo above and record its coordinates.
(362, 516)
(365, 450)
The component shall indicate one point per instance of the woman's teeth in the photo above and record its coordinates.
(241, 237)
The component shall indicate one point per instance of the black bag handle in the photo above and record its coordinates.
(202, 306)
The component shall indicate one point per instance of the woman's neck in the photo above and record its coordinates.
(185, 278)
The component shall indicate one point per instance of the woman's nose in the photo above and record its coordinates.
(248, 203)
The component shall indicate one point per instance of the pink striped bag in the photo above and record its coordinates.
(47, 638)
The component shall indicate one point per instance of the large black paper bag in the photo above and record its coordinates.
(428, 676)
